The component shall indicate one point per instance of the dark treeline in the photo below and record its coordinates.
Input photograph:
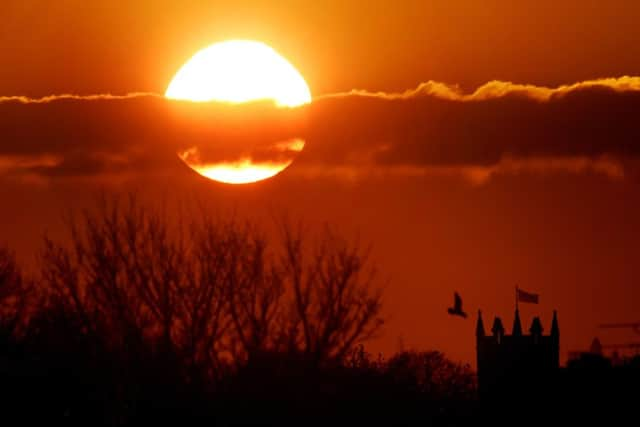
(137, 316)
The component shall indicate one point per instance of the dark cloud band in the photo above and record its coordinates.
(433, 126)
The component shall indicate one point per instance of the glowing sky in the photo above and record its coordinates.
(459, 182)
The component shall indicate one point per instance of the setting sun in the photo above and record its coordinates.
(239, 71)
(244, 170)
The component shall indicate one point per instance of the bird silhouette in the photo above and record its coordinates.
(456, 310)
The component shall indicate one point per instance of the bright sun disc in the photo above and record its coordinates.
(243, 170)
(239, 71)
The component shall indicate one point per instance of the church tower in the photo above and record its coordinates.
(515, 364)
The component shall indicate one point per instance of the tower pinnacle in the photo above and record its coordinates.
(517, 326)
(480, 325)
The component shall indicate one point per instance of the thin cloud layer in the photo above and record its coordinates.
(434, 127)
(501, 127)
(105, 134)
(496, 89)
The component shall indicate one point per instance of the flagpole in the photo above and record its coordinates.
(516, 297)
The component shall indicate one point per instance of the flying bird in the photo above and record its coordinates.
(456, 310)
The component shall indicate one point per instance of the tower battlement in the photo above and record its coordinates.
(515, 363)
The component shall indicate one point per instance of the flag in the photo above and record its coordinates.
(523, 296)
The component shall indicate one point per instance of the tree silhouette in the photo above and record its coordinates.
(432, 375)
(207, 294)
(14, 294)
(334, 303)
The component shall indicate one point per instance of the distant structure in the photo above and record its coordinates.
(520, 375)
(518, 364)
(616, 354)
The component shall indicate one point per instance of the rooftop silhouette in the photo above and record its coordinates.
(515, 363)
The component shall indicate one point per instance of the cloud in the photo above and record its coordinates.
(496, 89)
(51, 98)
(500, 128)
(437, 127)
(106, 134)
(477, 175)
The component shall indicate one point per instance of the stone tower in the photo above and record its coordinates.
(517, 364)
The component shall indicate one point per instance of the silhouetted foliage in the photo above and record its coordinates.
(432, 375)
(157, 311)
(139, 316)
(14, 293)
(209, 291)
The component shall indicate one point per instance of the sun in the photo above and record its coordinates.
(238, 71)
(243, 170)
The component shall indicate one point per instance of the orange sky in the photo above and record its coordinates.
(569, 232)
(102, 46)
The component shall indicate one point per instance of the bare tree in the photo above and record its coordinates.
(334, 303)
(118, 274)
(254, 290)
(123, 273)
(13, 293)
(205, 321)
(207, 291)
(147, 283)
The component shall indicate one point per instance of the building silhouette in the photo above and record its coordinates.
(517, 365)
